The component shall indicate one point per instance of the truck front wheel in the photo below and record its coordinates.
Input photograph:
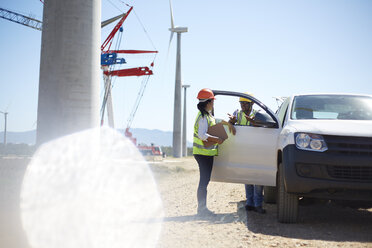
(287, 204)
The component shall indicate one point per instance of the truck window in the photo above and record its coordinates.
(331, 107)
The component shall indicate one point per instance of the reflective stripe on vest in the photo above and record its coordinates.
(242, 120)
(198, 145)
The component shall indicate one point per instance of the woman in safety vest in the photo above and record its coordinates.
(204, 155)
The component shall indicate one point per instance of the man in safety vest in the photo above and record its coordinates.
(245, 117)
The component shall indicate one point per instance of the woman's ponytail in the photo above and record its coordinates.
(201, 106)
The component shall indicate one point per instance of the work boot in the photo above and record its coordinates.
(249, 208)
(204, 211)
(259, 210)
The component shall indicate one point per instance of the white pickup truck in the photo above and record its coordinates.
(315, 145)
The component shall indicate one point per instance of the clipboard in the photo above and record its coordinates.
(217, 130)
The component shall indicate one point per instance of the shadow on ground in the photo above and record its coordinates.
(325, 220)
(215, 219)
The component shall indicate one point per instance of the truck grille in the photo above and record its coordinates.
(352, 146)
(351, 172)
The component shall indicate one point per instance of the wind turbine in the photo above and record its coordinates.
(5, 121)
(177, 145)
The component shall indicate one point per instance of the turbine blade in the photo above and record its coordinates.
(171, 14)
(170, 41)
(169, 45)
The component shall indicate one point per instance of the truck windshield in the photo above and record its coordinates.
(343, 107)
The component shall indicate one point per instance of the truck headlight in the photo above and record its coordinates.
(310, 142)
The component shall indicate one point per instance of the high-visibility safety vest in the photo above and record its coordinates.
(198, 145)
(241, 120)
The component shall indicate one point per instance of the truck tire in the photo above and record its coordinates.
(287, 204)
(270, 194)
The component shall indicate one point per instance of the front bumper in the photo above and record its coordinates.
(327, 175)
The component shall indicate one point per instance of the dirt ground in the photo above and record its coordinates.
(321, 224)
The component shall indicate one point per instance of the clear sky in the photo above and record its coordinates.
(269, 48)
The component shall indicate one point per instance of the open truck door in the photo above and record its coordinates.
(249, 157)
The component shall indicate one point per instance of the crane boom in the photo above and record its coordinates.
(21, 19)
(113, 32)
(111, 20)
(36, 24)
(138, 71)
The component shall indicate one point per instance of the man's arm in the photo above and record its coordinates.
(234, 117)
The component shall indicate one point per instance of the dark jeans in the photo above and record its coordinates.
(254, 195)
(205, 168)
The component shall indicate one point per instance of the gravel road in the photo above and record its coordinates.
(321, 224)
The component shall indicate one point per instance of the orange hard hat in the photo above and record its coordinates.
(206, 94)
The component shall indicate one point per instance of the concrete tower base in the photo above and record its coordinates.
(69, 68)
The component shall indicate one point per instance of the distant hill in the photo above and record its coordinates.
(27, 137)
(146, 136)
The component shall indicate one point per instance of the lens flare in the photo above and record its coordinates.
(90, 189)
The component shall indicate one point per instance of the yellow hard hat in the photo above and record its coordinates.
(242, 99)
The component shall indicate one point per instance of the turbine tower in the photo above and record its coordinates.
(184, 136)
(177, 145)
(5, 121)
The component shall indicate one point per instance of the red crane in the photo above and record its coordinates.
(109, 58)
